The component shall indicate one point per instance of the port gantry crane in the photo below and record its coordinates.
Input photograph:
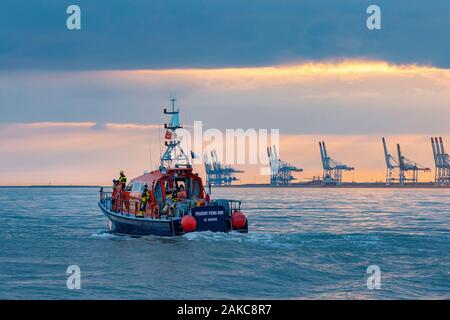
(409, 170)
(280, 171)
(441, 161)
(218, 174)
(332, 169)
(391, 165)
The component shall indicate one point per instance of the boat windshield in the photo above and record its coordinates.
(158, 193)
(176, 185)
(138, 186)
(196, 188)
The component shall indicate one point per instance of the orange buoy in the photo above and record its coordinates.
(238, 220)
(188, 223)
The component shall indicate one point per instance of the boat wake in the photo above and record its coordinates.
(276, 240)
(104, 234)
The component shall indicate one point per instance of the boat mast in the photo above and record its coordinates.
(174, 154)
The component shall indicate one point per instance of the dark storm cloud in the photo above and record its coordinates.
(120, 34)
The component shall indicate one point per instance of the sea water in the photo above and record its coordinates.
(302, 244)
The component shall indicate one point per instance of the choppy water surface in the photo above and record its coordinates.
(303, 243)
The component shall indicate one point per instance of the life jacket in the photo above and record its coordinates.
(145, 196)
(115, 191)
(182, 195)
(200, 203)
(122, 179)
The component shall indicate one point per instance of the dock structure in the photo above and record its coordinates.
(441, 161)
(332, 169)
(218, 174)
(391, 164)
(408, 169)
(280, 171)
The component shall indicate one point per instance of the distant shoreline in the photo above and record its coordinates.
(55, 186)
(356, 185)
(364, 185)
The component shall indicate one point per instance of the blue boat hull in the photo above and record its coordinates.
(128, 224)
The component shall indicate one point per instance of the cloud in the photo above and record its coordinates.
(336, 97)
(56, 125)
(133, 126)
(73, 153)
(167, 34)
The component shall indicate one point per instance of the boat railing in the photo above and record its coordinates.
(131, 206)
(125, 206)
(119, 205)
(229, 204)
(105, 196)
(235, 204)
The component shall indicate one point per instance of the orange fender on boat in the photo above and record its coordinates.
(188, 223)
(238, 220)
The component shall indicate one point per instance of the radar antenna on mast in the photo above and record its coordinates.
(174, 156)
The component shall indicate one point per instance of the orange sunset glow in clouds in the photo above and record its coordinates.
(82, 127)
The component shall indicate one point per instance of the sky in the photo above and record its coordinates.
(73, 102)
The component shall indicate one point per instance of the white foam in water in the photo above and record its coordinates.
(275, 240)
(109, 235)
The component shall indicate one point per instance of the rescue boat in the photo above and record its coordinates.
(177, 200)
